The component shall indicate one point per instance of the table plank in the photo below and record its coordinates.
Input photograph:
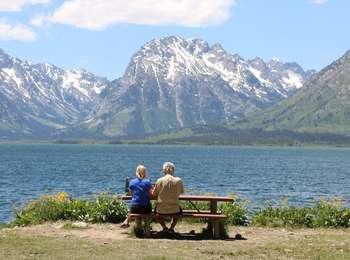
(195, 198)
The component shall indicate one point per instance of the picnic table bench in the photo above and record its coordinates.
(214, 218)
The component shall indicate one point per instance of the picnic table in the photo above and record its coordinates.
(215, 219)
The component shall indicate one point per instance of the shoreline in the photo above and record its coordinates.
(177, 144)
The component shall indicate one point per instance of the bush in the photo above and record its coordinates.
(325, 213)
(103, 208)
(236, 212)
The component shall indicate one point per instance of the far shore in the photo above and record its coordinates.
(131, 143)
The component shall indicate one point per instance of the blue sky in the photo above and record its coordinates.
(101, 38)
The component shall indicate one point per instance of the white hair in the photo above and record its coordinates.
(168, 168)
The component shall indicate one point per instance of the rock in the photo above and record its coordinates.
(79, 224)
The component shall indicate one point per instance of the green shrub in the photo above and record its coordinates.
(236, 212)
(325, 213)
(4, 225)
(107, 209)
(103, 208)
(196, 205)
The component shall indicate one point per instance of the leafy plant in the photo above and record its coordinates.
(102, 208)
(325, 213)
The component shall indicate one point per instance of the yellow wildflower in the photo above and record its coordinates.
(61, 196)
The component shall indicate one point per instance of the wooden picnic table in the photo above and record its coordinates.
(214, 217)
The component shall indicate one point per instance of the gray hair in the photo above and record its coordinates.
(168, 168)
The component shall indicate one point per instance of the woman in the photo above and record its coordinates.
(140, 189)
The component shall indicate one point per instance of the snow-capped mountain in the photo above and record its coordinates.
(172, 83)
(37, 99)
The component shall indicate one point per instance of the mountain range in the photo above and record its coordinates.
(172, 84)
(321, 106)
(38, 99)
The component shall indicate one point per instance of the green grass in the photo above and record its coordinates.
(4, 225)
(106, 208)
(103, 208)
(325, 213)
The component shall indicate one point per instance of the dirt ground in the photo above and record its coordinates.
(109, 241)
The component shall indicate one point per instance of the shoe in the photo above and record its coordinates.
(124, 225)
(165, 230)
(171, 230)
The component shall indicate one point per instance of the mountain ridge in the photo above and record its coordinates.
(173, 82)
(169, 83)
(322, 106)
(40, 98)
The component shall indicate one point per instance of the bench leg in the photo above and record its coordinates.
(216, 230)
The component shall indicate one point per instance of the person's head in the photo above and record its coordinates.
(168, 168)
(141, 171)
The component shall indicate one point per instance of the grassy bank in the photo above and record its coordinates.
(104, 208)
(45, 230)
(107, 208)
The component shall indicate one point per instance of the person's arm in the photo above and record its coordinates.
(130, 189)
(150, 190)
(155, 190)
(182, 190)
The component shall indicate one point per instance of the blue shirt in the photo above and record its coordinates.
(140, 191)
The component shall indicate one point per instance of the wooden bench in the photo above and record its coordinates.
(214, 218)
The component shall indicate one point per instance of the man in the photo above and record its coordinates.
(167, 191)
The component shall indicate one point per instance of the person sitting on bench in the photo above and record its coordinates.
(140, 189)
(167, 191)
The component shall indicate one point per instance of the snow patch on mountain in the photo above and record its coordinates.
(11, 72)
(72, 79)
(293, 79)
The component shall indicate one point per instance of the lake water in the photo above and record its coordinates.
(259, 174)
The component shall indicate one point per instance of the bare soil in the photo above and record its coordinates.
(109, 241)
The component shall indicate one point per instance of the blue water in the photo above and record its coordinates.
(258, 174)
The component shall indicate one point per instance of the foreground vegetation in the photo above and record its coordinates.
(325, 213)
(101, 209)
(107, 208)
(275, 232)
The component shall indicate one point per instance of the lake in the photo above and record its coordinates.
(259, 174)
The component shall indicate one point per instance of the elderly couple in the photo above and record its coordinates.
(166, 191)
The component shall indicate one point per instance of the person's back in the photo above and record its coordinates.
(168, 189)
(140, 189)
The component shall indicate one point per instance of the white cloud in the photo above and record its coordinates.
(38, 20)
(17, 5)
(319, 2)
(17, 32)
(99, 14)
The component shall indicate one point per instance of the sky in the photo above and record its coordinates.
(102, 35)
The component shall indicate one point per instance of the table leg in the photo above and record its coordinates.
(214, 225)
(216, 231)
